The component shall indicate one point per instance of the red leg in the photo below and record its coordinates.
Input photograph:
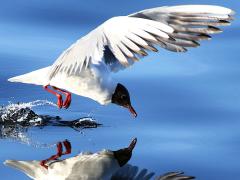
(54, 157)
(59, 96)
(68, 99)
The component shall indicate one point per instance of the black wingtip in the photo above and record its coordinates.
(214, 29)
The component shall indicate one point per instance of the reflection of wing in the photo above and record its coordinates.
(129, 172)
(174, 176)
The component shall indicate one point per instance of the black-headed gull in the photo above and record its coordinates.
(103, 165)
(85, 67)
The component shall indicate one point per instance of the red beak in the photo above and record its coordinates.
(132, 110)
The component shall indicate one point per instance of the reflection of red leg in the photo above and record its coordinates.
(68, 147)
(68, 99)
(54, 157)
(60, 152)
(59, 96)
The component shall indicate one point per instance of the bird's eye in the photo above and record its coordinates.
(123, 97)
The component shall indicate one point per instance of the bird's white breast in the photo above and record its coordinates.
(93, 82)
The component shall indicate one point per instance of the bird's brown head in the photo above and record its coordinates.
(125, 154)
(121, 97)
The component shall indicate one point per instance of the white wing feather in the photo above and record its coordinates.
(126, 38)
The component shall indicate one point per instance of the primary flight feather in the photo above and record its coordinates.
(85, 67)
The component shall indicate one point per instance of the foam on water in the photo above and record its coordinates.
(15, 107)
(32, 104)
(17, 132)
(17, 119)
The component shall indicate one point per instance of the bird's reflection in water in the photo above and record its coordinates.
(17, 119)
(105, 165)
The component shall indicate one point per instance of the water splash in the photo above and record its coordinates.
(17, 119)
(15, 113)
(20, 112)
(29, 104)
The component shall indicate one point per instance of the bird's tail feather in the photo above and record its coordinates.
(38, 77)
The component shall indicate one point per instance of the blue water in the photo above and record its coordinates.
(188, 104)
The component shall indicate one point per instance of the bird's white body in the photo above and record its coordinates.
(86, 166)
(94, 83)
(85, 67)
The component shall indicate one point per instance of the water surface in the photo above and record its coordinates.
(188, 104)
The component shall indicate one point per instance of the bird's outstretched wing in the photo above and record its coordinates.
(191, 23)
(115, 43)
(121, 41)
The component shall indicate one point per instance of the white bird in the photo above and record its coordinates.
(85, 67)
(104, 165)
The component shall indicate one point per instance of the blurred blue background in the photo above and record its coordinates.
(188, 104)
